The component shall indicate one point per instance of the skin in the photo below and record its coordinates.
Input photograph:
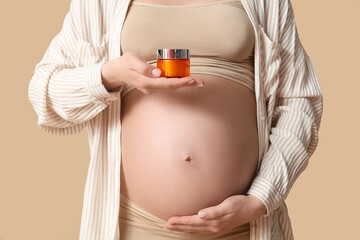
(226, 199)
(232, 212)
(235, 209)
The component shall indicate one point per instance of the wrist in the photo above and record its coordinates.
(106, 79)
(258, 206)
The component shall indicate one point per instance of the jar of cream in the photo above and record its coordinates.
(173, 62)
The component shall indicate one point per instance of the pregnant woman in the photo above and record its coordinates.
(188, 148)
(209, 156)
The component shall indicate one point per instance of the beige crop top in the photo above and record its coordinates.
(219, 35)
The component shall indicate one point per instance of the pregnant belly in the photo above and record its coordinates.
(188, 148)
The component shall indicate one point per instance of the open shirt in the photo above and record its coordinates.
(67, 94)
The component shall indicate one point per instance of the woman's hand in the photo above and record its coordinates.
(232, 212)
(131, 68)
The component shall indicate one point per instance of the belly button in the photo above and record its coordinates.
(186, 156)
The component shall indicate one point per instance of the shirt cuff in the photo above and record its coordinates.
(96, 89)
(266, 192)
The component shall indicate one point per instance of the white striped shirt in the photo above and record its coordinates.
(67, 93)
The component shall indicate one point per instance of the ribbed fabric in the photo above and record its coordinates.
(242, 73)
(189, 26)
(67, 94)
(138, 223)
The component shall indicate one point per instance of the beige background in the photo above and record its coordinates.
(42, 176)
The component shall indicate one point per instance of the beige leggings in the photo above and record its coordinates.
(138, 224)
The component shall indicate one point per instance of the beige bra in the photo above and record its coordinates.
(219, 35)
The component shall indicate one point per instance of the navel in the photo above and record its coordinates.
(187, 156)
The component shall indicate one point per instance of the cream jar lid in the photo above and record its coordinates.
(172, 53)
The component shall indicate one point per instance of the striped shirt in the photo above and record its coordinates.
(67, 94)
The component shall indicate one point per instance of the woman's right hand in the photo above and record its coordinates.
(131, 68)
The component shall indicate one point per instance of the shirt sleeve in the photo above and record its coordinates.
(64, 92)
(296, 119)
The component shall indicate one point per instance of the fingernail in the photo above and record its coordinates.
(191, 81)
(156, 72)
(200, 84)
(201, 214)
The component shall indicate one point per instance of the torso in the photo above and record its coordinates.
(188, 148)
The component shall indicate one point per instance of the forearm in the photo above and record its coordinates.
(67, 87)
(292, 142)
(62, 97)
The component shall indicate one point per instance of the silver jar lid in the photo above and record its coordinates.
(172, 53)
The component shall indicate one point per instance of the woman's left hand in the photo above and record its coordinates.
(230, 213)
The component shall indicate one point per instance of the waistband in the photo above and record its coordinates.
(239, 72)
(132, 217)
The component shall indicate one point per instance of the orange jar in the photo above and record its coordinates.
(173, 62)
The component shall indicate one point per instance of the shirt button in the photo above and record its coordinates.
(107, 99)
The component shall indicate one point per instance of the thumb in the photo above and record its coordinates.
(212, 212)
